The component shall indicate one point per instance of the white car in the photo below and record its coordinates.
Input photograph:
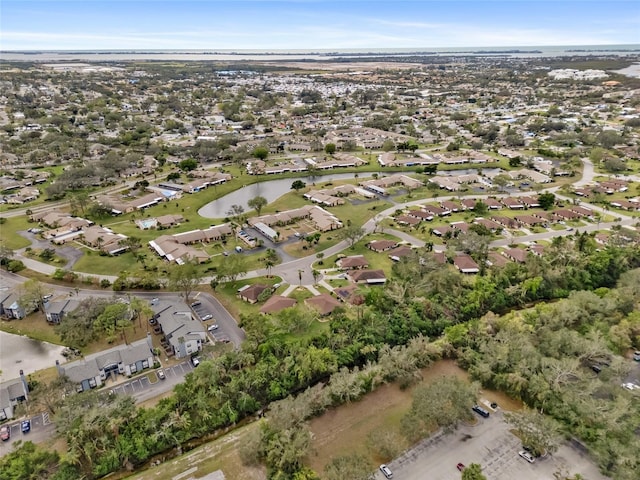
(208, 316)
(527, 456)
(213, 327)
(386, 471)
(630, 386)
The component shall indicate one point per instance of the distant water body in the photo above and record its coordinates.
(318, 55)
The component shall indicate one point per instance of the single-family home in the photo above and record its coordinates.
(277, 303)
(324, 303)
(251, 293)
(353, 262)
(368, 276)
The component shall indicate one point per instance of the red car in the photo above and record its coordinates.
(460, 466)
(5, 433)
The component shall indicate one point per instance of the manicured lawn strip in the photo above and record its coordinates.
(94, 263)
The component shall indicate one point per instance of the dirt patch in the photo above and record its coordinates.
(344, 430)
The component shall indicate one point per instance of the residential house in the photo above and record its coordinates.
(512, 203)
(353, 262)
(407, 220)
(529, 202)
(368, 276)
(277, 303)
(12, 392)
(183, 333)
(325, 303)
(400, 252)
(55, 311)
(251, 293)
(530, 220)
(10, 305)
(93, 370)
(465, 264)
(104, 239)
(381, 245)
(516, 254)
(495, 259)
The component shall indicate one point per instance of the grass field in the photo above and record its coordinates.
(8, 236)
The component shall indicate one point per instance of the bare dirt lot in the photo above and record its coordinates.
(344, 430)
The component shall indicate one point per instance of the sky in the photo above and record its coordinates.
(313, 24)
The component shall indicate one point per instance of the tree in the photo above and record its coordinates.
(115, 317)
(233, 267)
(28, 461)
(480, 208)
(235, 212)
(185, 278)
(261, 153)
(538, 432)
(351, 233)
(32, 294)
(353, 467)
(257, 203)
(297, 185)
(442, 403)
(330, 148)
(473, 472)
(270, 259)
(188, 164)
(547, 200)
(388, 145)
(134, 244)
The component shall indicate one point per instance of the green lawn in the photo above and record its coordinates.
(8, 232)
(93, 263)
(227, 294)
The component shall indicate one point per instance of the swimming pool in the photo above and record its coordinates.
(147, 223)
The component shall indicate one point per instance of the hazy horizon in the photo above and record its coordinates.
(313, 25)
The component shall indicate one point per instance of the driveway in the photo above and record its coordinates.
(490, 444)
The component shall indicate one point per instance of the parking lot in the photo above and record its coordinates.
(41, 429)
(206, 312)
(490, 444)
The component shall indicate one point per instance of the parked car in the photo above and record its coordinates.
(195, 361)
(161, 374)
(25, 426)
(386, 471)
(196, 304)
(208, 316)
(460, 466)
(480, 411)
(5, 433)
(527, 456)
(213, 327)
(636, 356)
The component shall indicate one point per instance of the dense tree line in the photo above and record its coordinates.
(366, 347)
